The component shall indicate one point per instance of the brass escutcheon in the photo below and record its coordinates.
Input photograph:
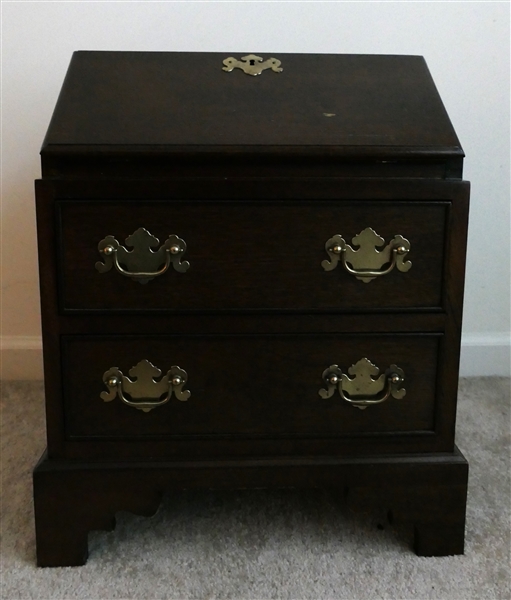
(366, 386)
(367, 262)
(145, 391)
(252, 64)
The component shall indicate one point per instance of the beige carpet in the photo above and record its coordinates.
(265, 544)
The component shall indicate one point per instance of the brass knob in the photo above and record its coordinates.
(113, 382)
(333, 379)
(177, 380)
(108, 250)
(175, 249)
(337, 249)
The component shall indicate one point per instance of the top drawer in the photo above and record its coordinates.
(250, 255)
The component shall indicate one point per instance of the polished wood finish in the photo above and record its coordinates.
(252, 255)
(427, 491)
(183, 105)
(249, 386)
(389, 120)
(255, 183)
(284, 244)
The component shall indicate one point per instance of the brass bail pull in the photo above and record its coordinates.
(366, 386)
(142, 263)
(146, 390)
(365, 261)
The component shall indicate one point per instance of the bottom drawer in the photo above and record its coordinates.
(248, 386)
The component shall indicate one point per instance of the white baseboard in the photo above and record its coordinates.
(21, 357)
(485, 354)
(481, 355)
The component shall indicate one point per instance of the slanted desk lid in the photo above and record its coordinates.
(340, 104)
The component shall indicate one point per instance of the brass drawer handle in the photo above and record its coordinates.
(365, 388)
(144, 388)
(367, 262)
(143, 263)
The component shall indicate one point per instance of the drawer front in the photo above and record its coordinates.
(251, 255)
(247, 386)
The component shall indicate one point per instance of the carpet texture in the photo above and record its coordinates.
(265, 544)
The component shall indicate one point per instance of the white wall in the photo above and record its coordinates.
(466, 45)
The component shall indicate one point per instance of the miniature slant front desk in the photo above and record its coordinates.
(251, 276)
